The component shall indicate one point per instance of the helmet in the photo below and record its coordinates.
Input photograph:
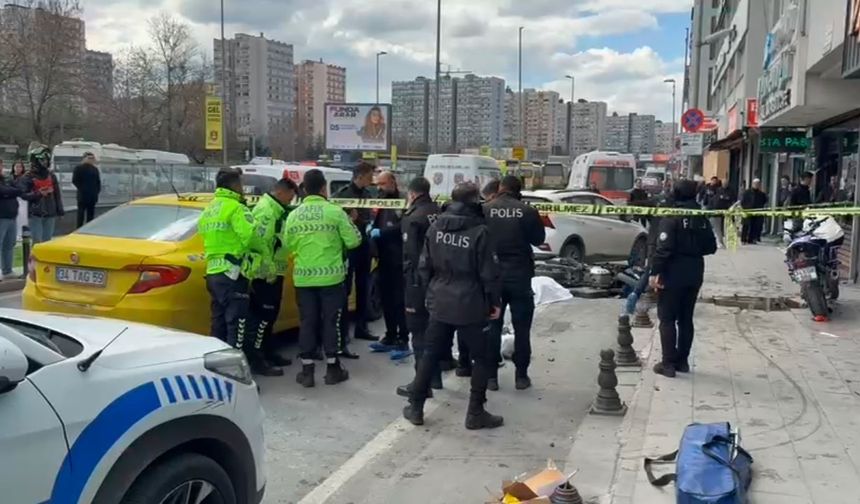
(39, 154)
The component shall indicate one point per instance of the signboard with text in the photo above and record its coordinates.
(519, 153)
(752, 113)
(214, 119)
(692, 144)
(357, 127)
(794, 142)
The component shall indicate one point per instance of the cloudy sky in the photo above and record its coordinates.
(619, 50)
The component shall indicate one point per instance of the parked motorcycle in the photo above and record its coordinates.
(812, 260)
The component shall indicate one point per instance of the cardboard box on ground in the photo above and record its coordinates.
(536, 489)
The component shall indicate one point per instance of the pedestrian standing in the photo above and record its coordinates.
(41, 190)
(267, 283)
(711, 201)
(639, 197)
(9, 193)
(87, 180)
(459, 267)
(227, 227)
(388, 237)
(359, 261)
(677, 271)
(318, 234)
(833, 193)
(416, 221)
(515, 228)
(19, 169)
(801, 197)
(753, 199)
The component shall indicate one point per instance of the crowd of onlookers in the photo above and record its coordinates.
(30, 195)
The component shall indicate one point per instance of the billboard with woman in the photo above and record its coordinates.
(357, 126)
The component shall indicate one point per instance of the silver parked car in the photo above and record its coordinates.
(586, 237)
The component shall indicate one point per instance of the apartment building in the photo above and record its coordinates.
(318, 83)
(410, 102)
(480, 111)
(588, 127)
(261, 86)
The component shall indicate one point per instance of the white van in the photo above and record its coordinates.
(445, 171)
(613, 173)
(259, 179)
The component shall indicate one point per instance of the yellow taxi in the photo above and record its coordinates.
(142, 262)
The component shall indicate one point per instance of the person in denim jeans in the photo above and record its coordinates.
(9, 193)
(42, 190)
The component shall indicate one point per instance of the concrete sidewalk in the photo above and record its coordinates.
(790, 385)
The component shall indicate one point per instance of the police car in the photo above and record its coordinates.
(111, 412)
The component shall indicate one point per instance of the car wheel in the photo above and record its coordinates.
(639, 252)
(187, 477)
(573, 250)
(374, 310)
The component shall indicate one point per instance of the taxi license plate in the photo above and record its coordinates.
(91, 277)
(805, 274)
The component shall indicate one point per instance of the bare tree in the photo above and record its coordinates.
(45, 37)
(135, 115)
(175, 53)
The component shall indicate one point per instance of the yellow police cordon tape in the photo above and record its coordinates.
(598, 210)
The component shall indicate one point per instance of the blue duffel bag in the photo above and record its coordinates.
(711, 467)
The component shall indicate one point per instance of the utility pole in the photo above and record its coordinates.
(380, 53)
(438, 68)
(223, 91)
(520, 65)
(569, 133)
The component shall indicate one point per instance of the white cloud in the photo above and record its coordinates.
(478, 35)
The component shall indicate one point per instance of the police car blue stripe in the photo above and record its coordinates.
(207, 387)
(168, 390)
(98, 437)
(194, 387)
(229, 391)
(182, 388)
(218, 391)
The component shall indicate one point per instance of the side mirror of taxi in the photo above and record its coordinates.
(13, 366)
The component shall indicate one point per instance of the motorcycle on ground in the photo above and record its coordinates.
(812, 260)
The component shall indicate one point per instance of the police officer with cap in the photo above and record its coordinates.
(227, 227)
(677, 271)
(514, 228)
(416, 221)
(459, 267)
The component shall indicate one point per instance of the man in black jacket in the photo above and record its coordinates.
(800, 195)
(389, 244)
(359, 260)
(88, 182)
(416, 221)
(460, 269)
(514, 228)
(753, 199)
(677, 271)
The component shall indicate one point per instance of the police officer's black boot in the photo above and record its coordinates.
(406, 391)
(414, 412)
(477, 417)
(261, 366)
(305, 378)
(522, 380)
(335, 374)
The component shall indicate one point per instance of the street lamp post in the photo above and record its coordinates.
(674, 122)
(223, 91)
(569, 133)
(380, 53)
(520, 71)
(438, 68)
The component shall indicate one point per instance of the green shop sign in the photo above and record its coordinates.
(784, 141)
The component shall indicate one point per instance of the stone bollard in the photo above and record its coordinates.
(626, 356)
(607, 401)
(641, 318)
(566, 494)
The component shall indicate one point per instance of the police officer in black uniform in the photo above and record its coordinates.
(416, 221)
(459, 267)
(388, 236)
(677, 271)
(359, 260)
(514, 228)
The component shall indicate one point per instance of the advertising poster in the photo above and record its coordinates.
(357, 127)
(213, 123)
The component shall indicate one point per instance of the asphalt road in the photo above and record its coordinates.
(347, 444)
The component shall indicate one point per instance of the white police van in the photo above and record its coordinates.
(111, 412)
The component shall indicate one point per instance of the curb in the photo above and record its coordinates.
(12, 285)
(601, 443)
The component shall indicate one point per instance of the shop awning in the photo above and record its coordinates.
(735, 140)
